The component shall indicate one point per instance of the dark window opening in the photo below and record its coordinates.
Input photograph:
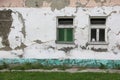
(65, 21)
(93, 35)
(97, 20)
(101, 34)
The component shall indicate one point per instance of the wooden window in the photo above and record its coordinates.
(65, 30)
(98, 30)
(65, 34)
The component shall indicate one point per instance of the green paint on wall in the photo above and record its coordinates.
(70, 62)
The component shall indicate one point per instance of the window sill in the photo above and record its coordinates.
(98, 43)
(61, 42)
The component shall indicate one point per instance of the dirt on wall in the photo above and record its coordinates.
(5, 24)
(54, 4)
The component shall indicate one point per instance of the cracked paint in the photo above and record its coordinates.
(32, 33)
(63, 3)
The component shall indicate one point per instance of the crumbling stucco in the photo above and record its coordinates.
(5, 25)
(66, 49)
(101, 1)
(38, 41)
(17, 34)
(22, 46)
(7, 48)
(80, 4)
(23, 24)
(99, 50)
(48, 3)
(33, 31)
(54, 4)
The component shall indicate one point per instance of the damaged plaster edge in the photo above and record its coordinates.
(23, 23)
(15, 8)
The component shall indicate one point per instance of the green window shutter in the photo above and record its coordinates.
(69, 34)
(61, 34)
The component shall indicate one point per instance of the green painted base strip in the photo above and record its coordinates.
(68, 62)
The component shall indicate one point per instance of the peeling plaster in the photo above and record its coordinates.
(54, 4)
(99, 49)
(17, 33)
(66, 49)
(38, 41)
(6, 48)
(5, 25)
(22, 46)
(23, 23)
(101, 1)
(80, 4)
(33, 32)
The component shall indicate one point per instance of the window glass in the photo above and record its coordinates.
(61, 34)
(65, 30)
(65, 34)
(98, 20)
(69, 34)
(97, 29)
(93, 35)
(65, 21)
(101, 34)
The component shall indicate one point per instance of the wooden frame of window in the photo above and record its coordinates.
(67, 26)
(99, 30)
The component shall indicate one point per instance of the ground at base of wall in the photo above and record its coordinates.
(71, 70)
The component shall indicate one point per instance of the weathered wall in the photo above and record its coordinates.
(30, 37)
(58, 4)
(11, 3)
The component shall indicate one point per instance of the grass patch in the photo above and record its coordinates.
(36, 65)
(57, 76)
(27, 65)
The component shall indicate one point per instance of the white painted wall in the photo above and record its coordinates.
(40, 24)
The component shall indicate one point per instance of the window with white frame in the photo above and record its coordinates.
(97, 30)
(65, 30)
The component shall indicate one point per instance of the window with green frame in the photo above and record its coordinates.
(65, 35)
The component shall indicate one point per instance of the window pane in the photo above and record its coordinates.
(101, 34)
(65, 21)
(61, 34)
(98, 20)
(93, 35)
(69, 34)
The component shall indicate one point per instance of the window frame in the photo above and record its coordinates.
(98, 27)
(64, 27)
